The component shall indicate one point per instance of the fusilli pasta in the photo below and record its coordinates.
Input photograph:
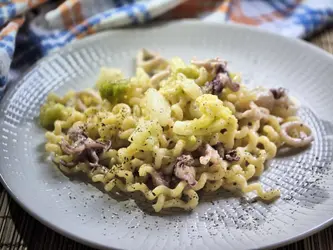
(172, 130)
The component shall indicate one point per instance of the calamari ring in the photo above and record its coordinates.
(296, 142)
(148, 60)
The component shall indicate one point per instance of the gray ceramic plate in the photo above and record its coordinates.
(82, 212)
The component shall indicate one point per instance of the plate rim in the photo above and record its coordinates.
(185, 22)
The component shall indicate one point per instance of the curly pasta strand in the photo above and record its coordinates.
(171, 130)
(242, 183)
(193, 200)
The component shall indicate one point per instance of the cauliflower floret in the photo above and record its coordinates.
(50, 112)
(112, 85)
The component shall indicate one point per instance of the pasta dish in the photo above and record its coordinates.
(172, 130)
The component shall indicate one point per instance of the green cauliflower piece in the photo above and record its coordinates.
(50, 112)
(109, 74)
(113, 90)
(111, 84)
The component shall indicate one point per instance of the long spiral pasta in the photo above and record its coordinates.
(171, 130)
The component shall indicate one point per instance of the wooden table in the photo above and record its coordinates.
(18, 230)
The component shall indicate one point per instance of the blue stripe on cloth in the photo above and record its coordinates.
(7, 12)
(311, 19)
(11, 10)
(58, 39)
(8, 38)
(130, 12)
(37, 39)
(3, 81)
(9, 50)
(277, 6)
(143, 8)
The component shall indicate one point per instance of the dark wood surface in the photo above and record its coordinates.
(18, 230)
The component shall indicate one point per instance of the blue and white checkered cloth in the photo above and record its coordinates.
(32, 28)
